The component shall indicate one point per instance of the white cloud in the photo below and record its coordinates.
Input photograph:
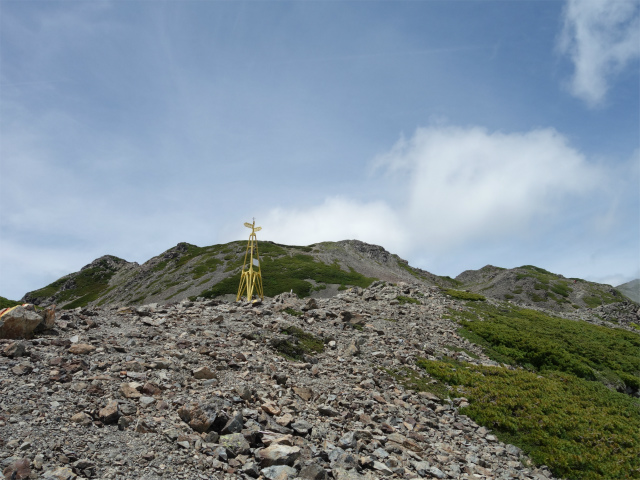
(601, 37)
(338, 218)
(459, 186)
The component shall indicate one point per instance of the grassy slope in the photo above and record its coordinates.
(90, 284)
(289, 272)
(6, 303)
(521, 336)
(580, 429)
(557, 408)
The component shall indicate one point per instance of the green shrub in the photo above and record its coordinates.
(406, 300)
(160, 266)
(580, 429)
(299, 343)
(530, 338)
(208, 265)
(474, 297)
(293, 312)
(285, 273)
(561, 288)
(535, 297)
(6, 303)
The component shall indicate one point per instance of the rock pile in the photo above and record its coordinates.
(198, 390)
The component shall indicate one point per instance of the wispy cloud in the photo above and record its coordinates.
(602, 37)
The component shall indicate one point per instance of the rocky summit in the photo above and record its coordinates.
(280, 389)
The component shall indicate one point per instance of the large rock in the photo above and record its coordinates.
(18, 470)
(235, 444)
(199, 417)
(19, 323)
(278, 455)
(279, 472)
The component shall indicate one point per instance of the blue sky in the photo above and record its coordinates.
(454, 133)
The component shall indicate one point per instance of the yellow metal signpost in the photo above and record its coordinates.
(251, 279)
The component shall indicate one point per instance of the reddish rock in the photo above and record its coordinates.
(151, 389)
(18, 470)
(14, 349)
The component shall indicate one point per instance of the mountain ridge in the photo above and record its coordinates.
(319, 270)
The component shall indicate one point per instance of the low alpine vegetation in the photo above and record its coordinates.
(580, 429)
(536, 341)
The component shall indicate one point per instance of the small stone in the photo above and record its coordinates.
(22, 369)
(110, 413)
(146, 401)
(234, 425)
(200, 418)
(81, 349)
(328, 411)
(82, 418)
(279, 472)
(203, 373)
(313, 471)
(14, 350)
(304, 393)
(130, 390)
(60, 473)
(382, 469)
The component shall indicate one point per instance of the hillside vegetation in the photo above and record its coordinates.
(572, 400)
(534, 340)
(322, 269)
(533, 285)
(189, 271)
(6, 303)
(580, 429)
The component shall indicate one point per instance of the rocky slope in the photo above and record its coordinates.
(198, 390)
(534, 286)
